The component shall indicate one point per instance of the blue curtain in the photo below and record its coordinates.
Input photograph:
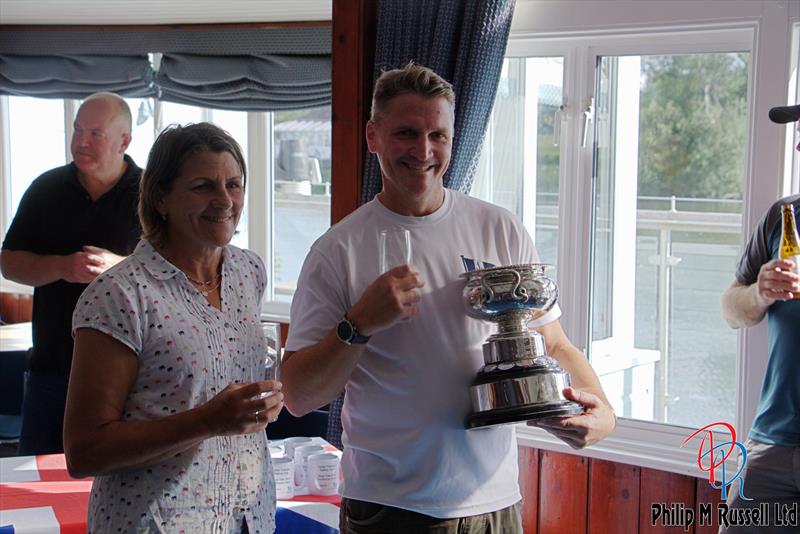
(464, 41)
(243, 69)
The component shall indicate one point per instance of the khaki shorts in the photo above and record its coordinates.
(360, 517)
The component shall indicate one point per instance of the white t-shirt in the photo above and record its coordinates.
(405, 443)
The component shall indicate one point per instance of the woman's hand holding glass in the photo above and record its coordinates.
(242, 408)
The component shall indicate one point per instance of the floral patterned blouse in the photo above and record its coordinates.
(188, 351)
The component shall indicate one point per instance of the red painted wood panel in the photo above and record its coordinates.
(352, 53)
(529, 487)
(16, 307)
(613, 497)
(706, 495)
(563, 481)
(675, 492)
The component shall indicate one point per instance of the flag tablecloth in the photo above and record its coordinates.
(37, 496)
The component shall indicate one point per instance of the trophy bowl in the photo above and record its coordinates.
(519, 381)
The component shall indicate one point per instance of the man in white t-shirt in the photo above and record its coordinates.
(401, 344)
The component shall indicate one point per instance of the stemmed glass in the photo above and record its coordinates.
(272, 354)
(394, 248)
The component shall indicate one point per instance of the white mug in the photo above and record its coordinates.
(290, 444)
(323, 473)
(283, 471)
(301, 466)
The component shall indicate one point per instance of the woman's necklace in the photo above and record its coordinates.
(205, 287)
(199, 283)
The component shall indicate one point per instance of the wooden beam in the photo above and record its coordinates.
(352, 58)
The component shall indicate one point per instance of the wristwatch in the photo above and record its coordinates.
(347, 332)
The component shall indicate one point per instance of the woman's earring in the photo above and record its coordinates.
(164, 217)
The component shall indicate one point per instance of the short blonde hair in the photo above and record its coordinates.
(411, 78)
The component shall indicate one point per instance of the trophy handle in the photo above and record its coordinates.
(519, 292)
(555, 298)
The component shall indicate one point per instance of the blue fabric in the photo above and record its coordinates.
(287, 520)
(464, 42)
(43, 414)
(59, 76)
(334, 432)
(246, 83)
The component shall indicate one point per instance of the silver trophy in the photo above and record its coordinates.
(519, 381)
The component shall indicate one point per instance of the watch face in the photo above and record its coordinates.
(344, 331)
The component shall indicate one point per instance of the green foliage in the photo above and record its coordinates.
(692, 125)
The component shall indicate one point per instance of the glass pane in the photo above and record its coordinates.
(235, 123)
(172, 113)
(143, 129)
(669, 172)
(38, 143)
(302, 148)
(519, 164)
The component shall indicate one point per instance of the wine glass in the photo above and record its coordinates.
(394, 248)
(272, 354)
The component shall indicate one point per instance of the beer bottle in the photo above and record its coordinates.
(790, 242)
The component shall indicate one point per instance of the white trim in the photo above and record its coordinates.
(9, 286)
(635, 443)
(162, 11)
(70, 114)
(277, 312)
(258, 183)
(5, 166)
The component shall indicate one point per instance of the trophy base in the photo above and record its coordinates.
(504, 416)
(520, 393)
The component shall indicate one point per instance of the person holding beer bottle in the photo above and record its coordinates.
(767, 284)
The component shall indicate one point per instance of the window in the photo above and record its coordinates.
(302, 191)
(667, 229)
(519, 166)
(288, 154)
(39, 141)
(626, 158)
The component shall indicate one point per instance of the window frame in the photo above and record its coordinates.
(643, 443)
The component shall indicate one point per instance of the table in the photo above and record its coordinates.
(37, 496)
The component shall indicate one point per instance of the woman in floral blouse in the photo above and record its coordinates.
(165, 406)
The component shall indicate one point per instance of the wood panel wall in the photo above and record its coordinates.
(16, 307)
(570, 494)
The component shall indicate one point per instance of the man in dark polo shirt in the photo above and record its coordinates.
(72, 224)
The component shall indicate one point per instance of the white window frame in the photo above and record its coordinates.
(648, 444)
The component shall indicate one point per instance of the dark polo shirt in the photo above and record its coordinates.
(57, 216)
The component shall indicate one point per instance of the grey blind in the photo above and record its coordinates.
(250, 69)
